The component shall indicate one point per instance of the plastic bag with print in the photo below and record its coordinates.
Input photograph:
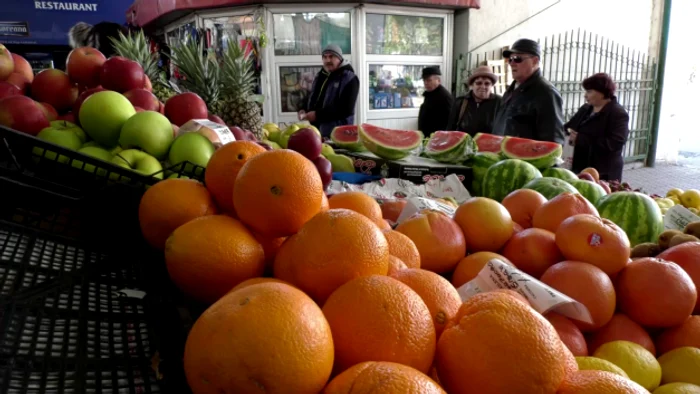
(394, 188)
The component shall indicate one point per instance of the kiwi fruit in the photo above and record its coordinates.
(647, 249)
(693, 229)
(666, 236)
(681, 239)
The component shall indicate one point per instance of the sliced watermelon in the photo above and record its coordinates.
(389, 144)
(347, 137)
(488, 142)
(450, 147)
(541, 154)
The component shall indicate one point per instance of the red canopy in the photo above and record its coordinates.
(144, 12)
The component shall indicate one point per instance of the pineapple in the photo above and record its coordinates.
(200, 73)
(135, 46)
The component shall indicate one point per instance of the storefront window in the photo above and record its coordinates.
(181, 34)
(224, 30)
(309, 33)
(295, 86)
(394, 86)
(404, 35)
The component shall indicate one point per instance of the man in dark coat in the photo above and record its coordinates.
(333, 94)
(435, 111)
(532, 106)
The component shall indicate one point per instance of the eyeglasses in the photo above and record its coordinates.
(483, 83)
(517, 59)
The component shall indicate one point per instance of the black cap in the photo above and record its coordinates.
(430, 71)
(524, 45)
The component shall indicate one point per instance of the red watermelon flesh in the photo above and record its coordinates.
(389, 144)
(346, 134)
(541, 154)
(445, 140)
(488, 142)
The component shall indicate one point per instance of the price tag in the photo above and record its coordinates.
(678, 217)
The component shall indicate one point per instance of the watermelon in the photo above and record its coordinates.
(480, 163)
(591, 190)
(347, 137)
(541, 154)
(561, 173)
(550, 187)
(488, 142)
(389, 144)
(506, 176)
(450, 147)
(636, 213)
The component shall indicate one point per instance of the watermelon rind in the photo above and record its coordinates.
(591, 190)
(550, 187)
(480, 164)
(507, 176)
(540, 160)
(341, 134)
(561, 173)
(439, 148)
(387, 151)
(488, 142)
(636, 213)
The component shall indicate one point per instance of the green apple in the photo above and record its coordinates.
(60, 135)
(149, 131)
(178, 176)
(96, 152)
(68, 126)
(341, 163)
(271, 144)
(140, 162)
(326, 150)
(103, 115)
(191, 147)
(91, 143)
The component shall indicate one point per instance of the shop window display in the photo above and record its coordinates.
(404, 35)
(395, 86)
(222, 30)
(295, 86)
(308, 33)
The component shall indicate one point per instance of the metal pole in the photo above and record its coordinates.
(658, 95)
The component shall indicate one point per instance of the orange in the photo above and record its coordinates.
(168, 205)
(439, 240)
(280, 336)
(209, 256)
(223, 168)
(686, 334)
(586, 284)
(358, 202)
(486, 224)
(383, 224)
(620, 328)
(276, 192)
(569, 334)
(403, 247)
(687, 256)
(270, 247)
(592, 172)
(593, 240)
(497, 343)
(550, 215)
(333, 248)
(522, 204)
(391, 209)
(378, 318)
(324, 203)
(469, 267)
(395, 265)
(656, 293)
(533, 251)
(512, 293)
(255, 281)
(382, 377)
(284, 260)
(599, 382)
(439, 295)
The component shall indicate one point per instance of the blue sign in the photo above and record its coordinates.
(48, 22)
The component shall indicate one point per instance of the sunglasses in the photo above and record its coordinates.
(517, 59)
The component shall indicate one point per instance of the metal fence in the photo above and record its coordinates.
(570, 57)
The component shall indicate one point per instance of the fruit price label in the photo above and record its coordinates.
(498, 275)
(678, 217)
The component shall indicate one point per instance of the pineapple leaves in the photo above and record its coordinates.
(201, 74)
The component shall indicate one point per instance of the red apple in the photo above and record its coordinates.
(23, 114)
(121, 74)
(20, 80)
(605, 185)
(83, 96)
(84, 66)
(23, 67)
(586, 177)
(54, 87)
(161, 108)
(184, 107)
(238, 133)
(175, 130)
(7, 89)
(216, 119)
(138, 109)
(68, 117)
(49, 111)
(147, 83)
(143, 98)
(7, 64)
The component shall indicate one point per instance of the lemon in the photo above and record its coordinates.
(678, 388)
(674, 192)
(598, 364)
(690, 198)
(639, 364)
(676, 200)
(681, 365)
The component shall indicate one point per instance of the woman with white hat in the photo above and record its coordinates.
(474, 112)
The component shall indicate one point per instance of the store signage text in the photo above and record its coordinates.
(65, 6)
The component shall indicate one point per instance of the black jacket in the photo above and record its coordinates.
(601, 139)
(476, 117)
(435, 111)
(532, 110)
(333, 97)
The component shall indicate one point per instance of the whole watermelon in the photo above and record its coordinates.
(636, 213)
(561, 173)
(550, 187)
(480, 163)
(506, 176)
(591, 190)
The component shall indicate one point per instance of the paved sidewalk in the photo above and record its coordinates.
(663, 177)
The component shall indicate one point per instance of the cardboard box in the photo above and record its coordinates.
(418, 170)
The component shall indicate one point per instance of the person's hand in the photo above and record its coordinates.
(572, 136)
(301, 115)
(311, 116)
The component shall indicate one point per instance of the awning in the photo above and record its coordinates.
(145, 12)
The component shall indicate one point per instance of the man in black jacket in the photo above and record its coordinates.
(435, 111)
(532, 106)
(333, 94)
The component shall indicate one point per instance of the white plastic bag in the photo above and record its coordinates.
(567, 154)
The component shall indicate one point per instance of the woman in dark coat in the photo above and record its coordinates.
(599, 130)
(474, 112)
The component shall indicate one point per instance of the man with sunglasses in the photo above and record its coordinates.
(532, 106)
